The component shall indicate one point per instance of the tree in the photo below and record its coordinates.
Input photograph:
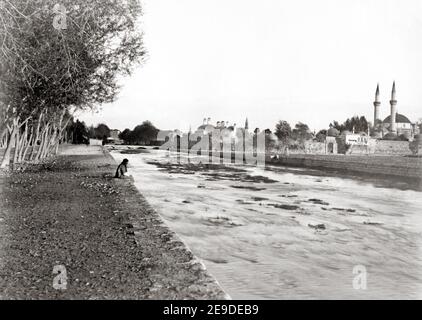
(46, 73)
(321, 136)
(79, 132)
(283, 131)
(337, 126)
(357, 124)
(144, 133)
(126, 136)
(301, 132)
(101, 131)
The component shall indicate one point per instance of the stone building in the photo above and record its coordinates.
(395, 124)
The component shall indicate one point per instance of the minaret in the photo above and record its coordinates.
(393, 103)
(377, 105)
(246, 124)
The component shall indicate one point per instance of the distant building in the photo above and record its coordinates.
(114, 134)
(114, 137)
(395, 124)
(206, 127)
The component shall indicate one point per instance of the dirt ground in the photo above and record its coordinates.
(68, 230)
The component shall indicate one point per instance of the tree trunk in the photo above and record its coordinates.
(3, 138)
(6, 158)
(28, 145)
(16, 151)
(20, 145)
(36, 138)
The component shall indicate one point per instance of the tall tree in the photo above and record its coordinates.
(144, 133)
(125, 135)
(321, 135)
(101, 131)
(355, 123)
(283, 131)
(78, 132)
(301, 132)
(49, 70)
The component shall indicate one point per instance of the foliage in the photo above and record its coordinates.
(144, 134)
(46, 73)
(78, 132)
(357, 124)
(100, 131)
(125, 135)
(283, 131)
(301, 133)
(321, 135)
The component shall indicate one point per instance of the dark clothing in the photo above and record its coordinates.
(121, 170)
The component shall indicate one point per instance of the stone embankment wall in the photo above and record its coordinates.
(390, 166)
(377, 147)
(392, 147)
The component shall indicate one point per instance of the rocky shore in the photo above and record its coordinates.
(70, 215)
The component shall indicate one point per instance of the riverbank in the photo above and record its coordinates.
(393, 166)
(71, 213)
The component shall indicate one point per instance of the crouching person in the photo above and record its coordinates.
(122, 169)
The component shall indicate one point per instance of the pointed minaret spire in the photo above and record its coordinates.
(393, 103)
(377, 93)
(377, 105)
(393, 92)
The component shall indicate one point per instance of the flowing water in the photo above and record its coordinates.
(282, 233)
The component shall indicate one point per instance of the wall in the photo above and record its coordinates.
(378, 165)
(357, 149)
(377, 147)
(314, 147)
(381, 147)
(392, 147)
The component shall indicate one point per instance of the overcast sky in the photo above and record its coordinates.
(296, 60)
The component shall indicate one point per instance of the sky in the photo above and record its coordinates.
(269, 60)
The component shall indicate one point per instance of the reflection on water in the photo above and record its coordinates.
(279, 233)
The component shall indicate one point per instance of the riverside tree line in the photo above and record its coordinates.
(78, 132)
(56, 60)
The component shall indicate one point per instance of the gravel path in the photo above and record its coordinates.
(70, 214)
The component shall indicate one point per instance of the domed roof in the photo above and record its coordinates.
(399, 119)
(205, 126)
(333, 132)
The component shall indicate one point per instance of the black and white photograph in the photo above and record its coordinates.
(230, 151)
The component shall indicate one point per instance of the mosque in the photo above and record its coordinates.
(395, 124)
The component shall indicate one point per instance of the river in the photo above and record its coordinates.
(283, 233)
